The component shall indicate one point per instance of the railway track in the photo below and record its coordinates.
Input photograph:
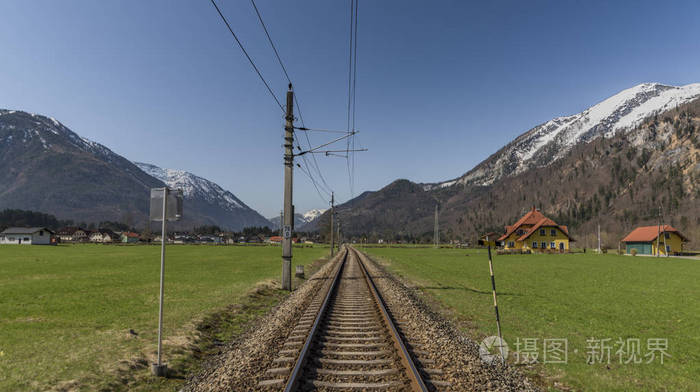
(346, 340)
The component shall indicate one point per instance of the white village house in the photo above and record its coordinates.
(27, 236)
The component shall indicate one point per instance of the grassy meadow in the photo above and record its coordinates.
(575, 297)
(66, 311)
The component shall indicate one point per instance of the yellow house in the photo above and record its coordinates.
(535, 232)
(644, 240)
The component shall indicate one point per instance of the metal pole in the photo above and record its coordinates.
(160, 368)
(288, 209)
(658, 234)
(495, 306)
(436, 232)
(332, 212)
(663, 230)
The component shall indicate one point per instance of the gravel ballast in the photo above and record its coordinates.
(242, 363)
(444, 353)
(443, 347)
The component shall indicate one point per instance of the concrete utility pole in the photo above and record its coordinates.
(288, 208)
(599, 250)
(436, 232)
(332, 212)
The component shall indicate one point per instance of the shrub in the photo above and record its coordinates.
(634, 252)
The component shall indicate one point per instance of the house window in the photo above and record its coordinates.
(520, 232)
(668, 249)
(511, 244)
(552, 245)
(542, 232)
(544, 245)
(553, 232)
(667, 235)
(11, 238)
(534, 245)
(26, 239)
(561, 246)
(41, 233)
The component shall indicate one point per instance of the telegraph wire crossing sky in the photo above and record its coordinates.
(439, 86)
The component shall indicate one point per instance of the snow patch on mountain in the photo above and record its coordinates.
(548, 142)
(301, 219)
(312, 214)
(194, 186)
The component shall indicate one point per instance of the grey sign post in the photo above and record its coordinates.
(166, 205)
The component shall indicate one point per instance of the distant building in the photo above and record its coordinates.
(537, 233)
(643, 239)
(27, 236)
(275, 239)
(73, 234)
(103, 236)
(130, 237)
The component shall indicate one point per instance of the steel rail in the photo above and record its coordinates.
(301, 361)
(417, 383)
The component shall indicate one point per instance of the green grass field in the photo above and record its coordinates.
(575, 297)
(66, 311)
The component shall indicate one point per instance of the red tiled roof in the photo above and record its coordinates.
(531, 218)
(649, 233)
(542, 222)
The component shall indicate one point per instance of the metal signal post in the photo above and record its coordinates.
(288, 208)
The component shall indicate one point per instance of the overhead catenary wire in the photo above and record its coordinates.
(252, 63)
(296, 100)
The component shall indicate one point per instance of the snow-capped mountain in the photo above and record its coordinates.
(204, 192)
(552, 140)
(300, 220)
(26, 127)
(312, 214)
(194, 186)
(44, 166)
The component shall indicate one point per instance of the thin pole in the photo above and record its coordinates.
(339, 240)
(599, 250)
(661, 213)
(162, 274)
(332, 212)
(495, 306)
(436, 231)
(288, 209)
(658, 234)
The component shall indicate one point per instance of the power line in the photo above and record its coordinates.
(354, 94)
(296, 101)
(252, 63)
(269, 39)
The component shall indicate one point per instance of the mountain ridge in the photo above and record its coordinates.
(638, 160)
(47, 167)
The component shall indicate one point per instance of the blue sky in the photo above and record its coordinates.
(440, 85)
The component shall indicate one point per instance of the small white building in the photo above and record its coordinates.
(27, 236)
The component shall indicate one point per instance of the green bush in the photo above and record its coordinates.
(634, 252)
